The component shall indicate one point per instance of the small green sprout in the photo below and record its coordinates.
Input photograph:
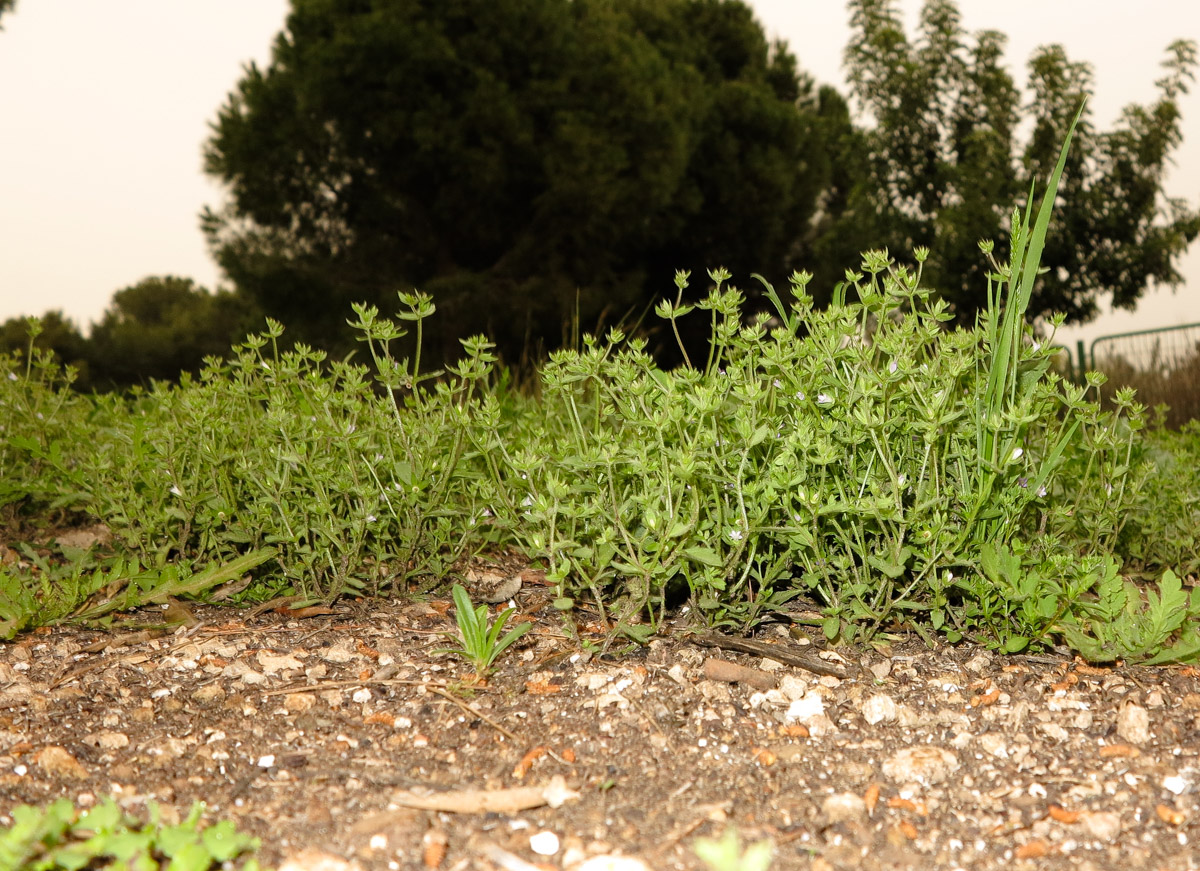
(726, 854)
(480, 643)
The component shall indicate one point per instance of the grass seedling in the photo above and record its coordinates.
(480, 643)
(726, 854)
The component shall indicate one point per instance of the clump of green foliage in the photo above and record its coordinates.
(60, 837)
(896, 472)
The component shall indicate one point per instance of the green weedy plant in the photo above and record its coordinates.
(480, 643)
(354, 482)
(1121, 623)
(726, 854)
(39, 414)
(60, 837)
(863, 455)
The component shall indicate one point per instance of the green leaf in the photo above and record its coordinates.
(705, 556)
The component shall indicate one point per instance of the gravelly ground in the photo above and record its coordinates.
(312, 733)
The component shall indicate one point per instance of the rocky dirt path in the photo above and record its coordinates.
(320, 734)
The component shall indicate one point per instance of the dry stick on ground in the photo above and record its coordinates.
(778, 652)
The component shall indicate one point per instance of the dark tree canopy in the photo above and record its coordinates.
(56, 333)
(162, 326)
(524, 161)
(944, 167)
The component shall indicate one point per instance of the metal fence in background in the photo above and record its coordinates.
(1162, 364)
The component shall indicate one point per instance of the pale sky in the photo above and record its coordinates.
(104, 108)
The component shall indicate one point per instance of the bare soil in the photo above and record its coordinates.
(315, 732)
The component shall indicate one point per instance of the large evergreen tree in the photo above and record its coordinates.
(523, 161)
(941, 165)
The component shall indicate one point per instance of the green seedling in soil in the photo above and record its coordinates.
(60, 837)
(480, 643)
(726, 854)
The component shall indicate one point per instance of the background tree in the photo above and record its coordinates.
(524, 161)
(57, 333)
(162, 326)
(944, 168)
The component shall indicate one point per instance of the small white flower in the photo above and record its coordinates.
(778, 383)
(800, 395)
(487, 512)
(527, 501)
(1016, 454)
(902, 479)
(1108, 489)
(735, 534)
(892, 367)
(797, 517)
(824, 399)
(1041, 491)
(370, 518)
(12, 376)
(175, 491)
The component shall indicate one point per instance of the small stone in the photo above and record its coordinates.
(844, 807)
(209, 695)
(544, 843)
(298, 702)
(994, 745)
(810, 705)
(1133, 723)
(1101, 825)
(271, 664)
(977, 663)
(1053, 731)
(107, 740)
(820, 725)
(878, 709)
(57, 760)
(881, 669)
(921, 764)
(1175, 784)
(613, 863)
(313, 859)
(793, 687)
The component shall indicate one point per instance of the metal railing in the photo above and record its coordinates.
(1162, 364)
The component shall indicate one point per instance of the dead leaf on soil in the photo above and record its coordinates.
(527, 761)
(480, 801)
